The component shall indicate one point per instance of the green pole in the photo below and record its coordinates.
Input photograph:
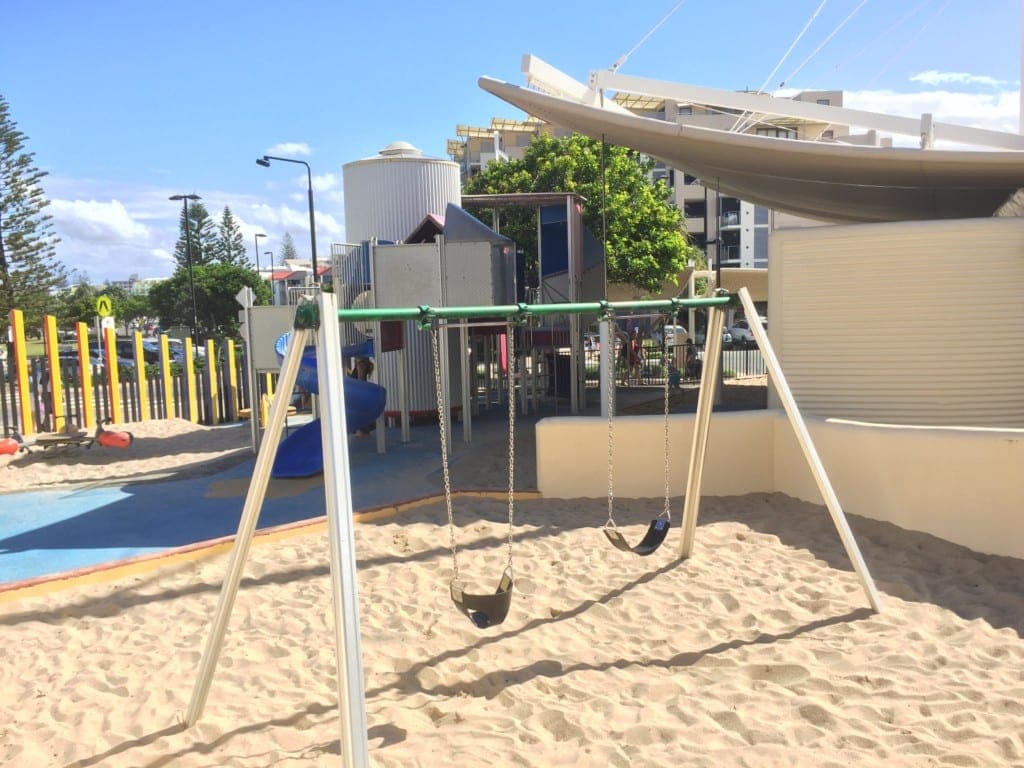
(426, 314)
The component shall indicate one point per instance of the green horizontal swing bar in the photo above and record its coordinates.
(517, 311)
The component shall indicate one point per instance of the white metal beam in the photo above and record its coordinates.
(546, 78)
(769, 105)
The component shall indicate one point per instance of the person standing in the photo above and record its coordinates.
(362, 369)
(636, 355)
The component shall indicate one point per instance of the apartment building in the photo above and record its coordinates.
(739, 229)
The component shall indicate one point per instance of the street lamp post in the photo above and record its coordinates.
(188, 256)
(265, 162)
(273, 293)
(256, 242)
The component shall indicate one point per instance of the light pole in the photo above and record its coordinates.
(265, 162)
(273, 292)
(256, 242)
(188, 255)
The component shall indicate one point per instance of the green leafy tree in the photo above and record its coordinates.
(202, 236)
(78, 305)
(125, 306)
(216, 308)
(645, 244)
(288, 252)
(29, 270)
(230, 247)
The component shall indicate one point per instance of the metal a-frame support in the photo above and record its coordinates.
(338, 490)
(698, 452)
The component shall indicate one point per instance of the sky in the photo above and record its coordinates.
(125, 103)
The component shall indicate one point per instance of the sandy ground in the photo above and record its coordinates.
(759, 650)
(160, 447)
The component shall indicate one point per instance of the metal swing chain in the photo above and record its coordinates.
(444, 452)
(666, 512)
(511, 437)
(610, 523)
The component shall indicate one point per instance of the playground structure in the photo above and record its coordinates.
(455, 260)
(352, 709)
(300, 454)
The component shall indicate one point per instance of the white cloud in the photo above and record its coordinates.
(288, 148)
(326, 182)
(995, 111)
(102, 222)
(934, 77)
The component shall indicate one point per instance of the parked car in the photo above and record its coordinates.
(126, 351)
(741, 332)
(726, 337)
(70, 358)
(674, 335)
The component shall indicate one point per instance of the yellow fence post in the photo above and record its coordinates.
(165, 373)
(141, 383)
(56, 384)
(265, 400)
(85, 376)
(232, 393)
(190, 383)
(211, 383)
(113, 374)
(17, 321)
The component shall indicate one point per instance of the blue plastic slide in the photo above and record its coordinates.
(301, 453)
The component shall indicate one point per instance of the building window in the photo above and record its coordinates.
(694, 209)
(688, 179)
(825, 102)
(779, 133)
(829, 134)
(686, 110)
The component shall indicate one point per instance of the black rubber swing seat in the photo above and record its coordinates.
(485, 610)
(653, 539)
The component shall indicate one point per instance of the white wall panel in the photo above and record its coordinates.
(909, 322)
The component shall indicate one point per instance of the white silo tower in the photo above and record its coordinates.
(386, 197)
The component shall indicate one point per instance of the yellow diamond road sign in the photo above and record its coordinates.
(103, 307)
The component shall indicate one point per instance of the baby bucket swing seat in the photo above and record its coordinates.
(659, 526)
(483, 609)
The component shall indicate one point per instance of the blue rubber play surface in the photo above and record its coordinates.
(53, 531)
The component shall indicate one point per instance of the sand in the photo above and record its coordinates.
(759, 650)
(160, 448)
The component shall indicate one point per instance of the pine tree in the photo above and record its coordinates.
(202, 236)
(230, 247)
(288, 251)
(29, 269)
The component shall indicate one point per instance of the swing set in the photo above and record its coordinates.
(484, 609)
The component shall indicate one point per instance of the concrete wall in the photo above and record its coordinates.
(963, 485)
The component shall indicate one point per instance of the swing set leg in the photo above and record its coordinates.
(698, 450)
(698, 453)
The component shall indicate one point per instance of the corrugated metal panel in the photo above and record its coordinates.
(386, 197)
(910, 323)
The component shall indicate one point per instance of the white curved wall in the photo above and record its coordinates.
(963, 485)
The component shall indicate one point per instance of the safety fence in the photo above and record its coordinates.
(85, 383)
(682, 362)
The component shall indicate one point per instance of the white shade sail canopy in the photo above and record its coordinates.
(827, 181)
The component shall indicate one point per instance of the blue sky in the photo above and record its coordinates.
(126, 102)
